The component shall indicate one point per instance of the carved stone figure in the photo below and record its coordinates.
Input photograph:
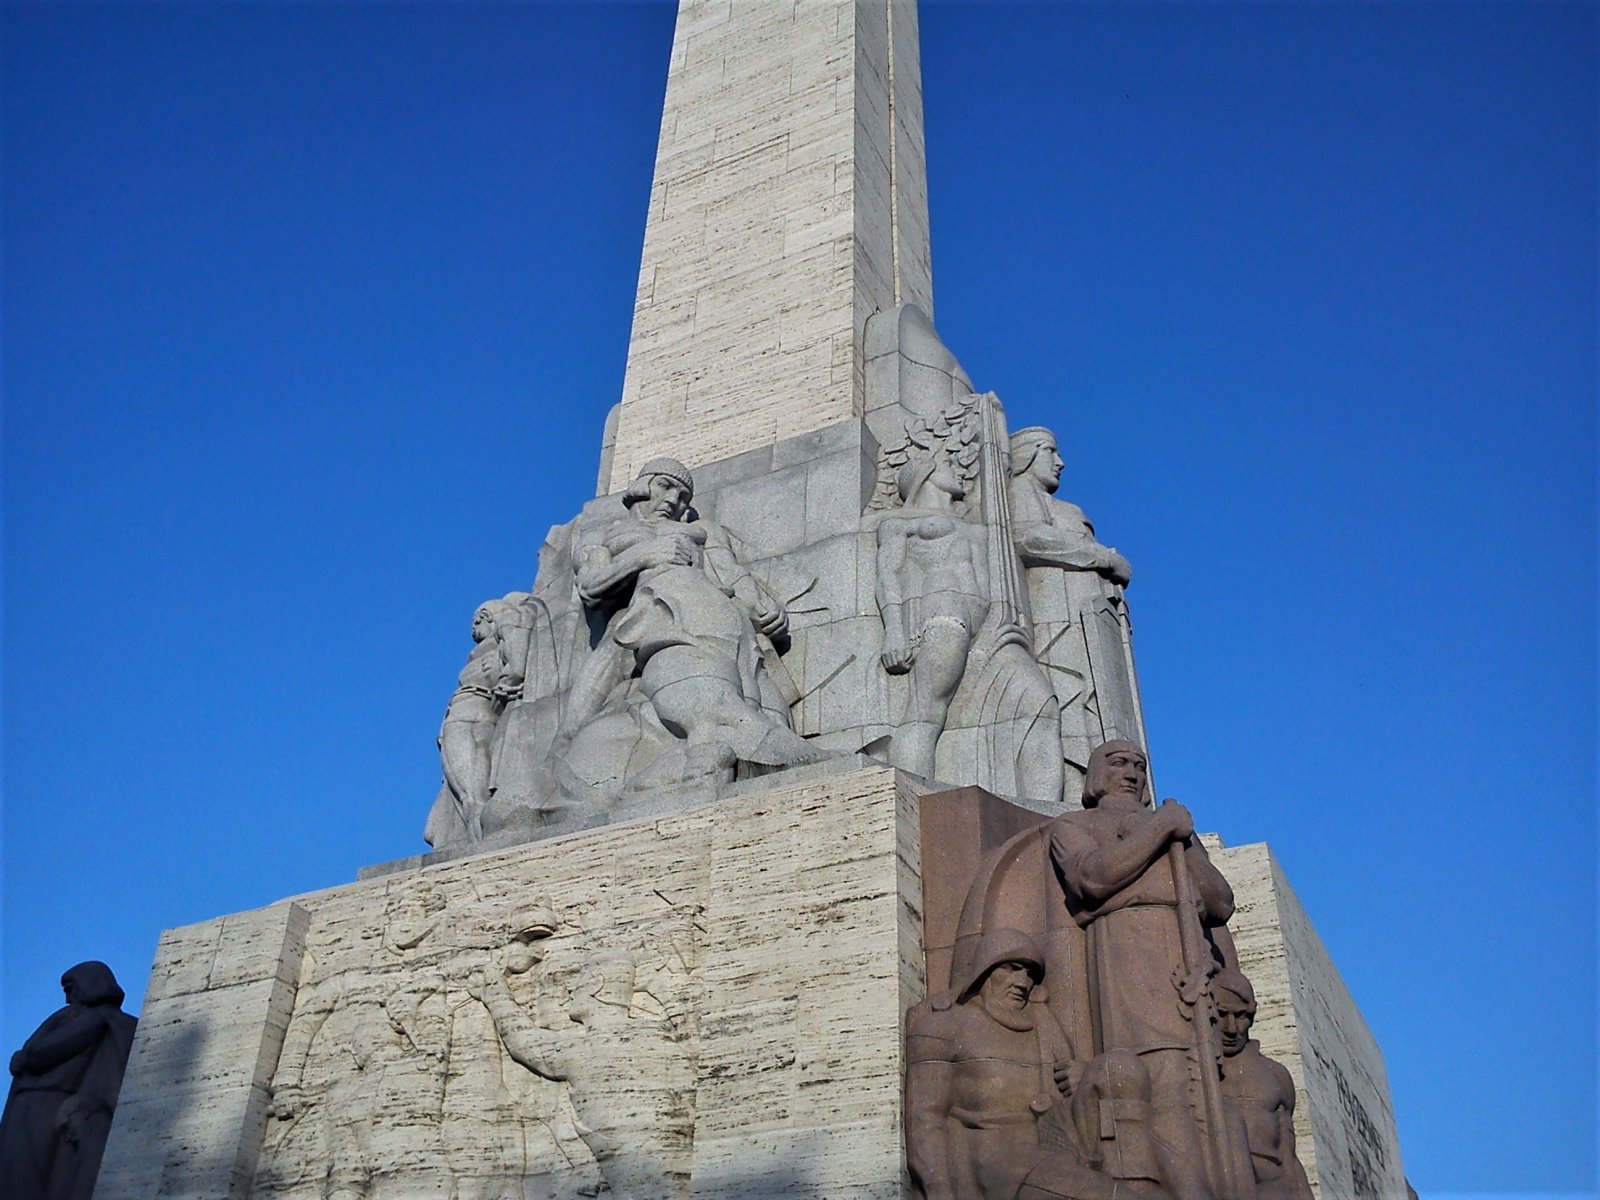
(359, 1088)
(997, 1105)
(1259, 1090)
(1152, 905)
(631, 1082)
(508, 1134)
(64, 1084)
(933, 596)
(936, 597)
(682, 662)
(1080, 621)
(492, 677)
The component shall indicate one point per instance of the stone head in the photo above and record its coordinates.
(91, 983)
(929, 469)
(526, 947)
(1005, 971)
(1119, 770)
(411, 914)
(1034, 452)
(1236, 1009)
(663, 487)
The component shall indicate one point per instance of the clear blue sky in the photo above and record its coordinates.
(313, 313)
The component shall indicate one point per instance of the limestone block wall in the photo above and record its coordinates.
(374, 1039)
(195, 1096)
(789, 204)
(1307, 1020)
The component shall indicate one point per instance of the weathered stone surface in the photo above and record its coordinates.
(196, 1091)
(705, 1005)
(1307, 1020)
(789, 205)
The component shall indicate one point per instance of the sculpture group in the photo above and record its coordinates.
(1108, 1051)
(656, 652)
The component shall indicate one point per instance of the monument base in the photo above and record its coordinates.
(706, 1004)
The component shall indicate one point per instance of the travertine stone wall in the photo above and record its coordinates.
(194, 1098)
(789, 205)
(774, 940)
(1307, 1020)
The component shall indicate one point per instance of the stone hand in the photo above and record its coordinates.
(1180, 825)
(476, 983)
(1067, 1075)
(287, 1100)
(897, 656)
(669, 551)
(772, 620)
(1118, 569)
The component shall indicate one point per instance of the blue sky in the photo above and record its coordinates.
(313, 313)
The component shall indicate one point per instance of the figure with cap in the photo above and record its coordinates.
(997, 1105)
(1260, 1091)
(687, 630)
(629, 1080)
(1121, 887)
(64, 1085)
(1075, 596)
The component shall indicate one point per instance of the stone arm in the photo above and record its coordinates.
(1094, 872)
(542, 1051)
(768, 613)
(512, 639)
(602, 575)
(1299, 1185)
(1048, 544)
(404, 1010)
(930, 1085)
(307, 1022)
(1215, 893)
(72, 1032)
(898, 650)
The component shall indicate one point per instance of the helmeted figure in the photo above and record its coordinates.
(64, 1085)
(997, 1105)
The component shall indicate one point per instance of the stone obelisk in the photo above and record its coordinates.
(691, 866)
(789, 205)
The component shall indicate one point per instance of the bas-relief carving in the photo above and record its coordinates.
(1075, 593)
(474, 1050)
(1137, 961)
(64, 1085)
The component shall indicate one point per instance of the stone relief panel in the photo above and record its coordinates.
(1102, 933)
(471, 1043)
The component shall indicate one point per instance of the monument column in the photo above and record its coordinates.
(789, 205)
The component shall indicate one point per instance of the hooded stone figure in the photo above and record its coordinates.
(64, 1084)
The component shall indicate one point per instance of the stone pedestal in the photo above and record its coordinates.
(774, 945)
(770, 944)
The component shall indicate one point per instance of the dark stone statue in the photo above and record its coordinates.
(1260, 1092)
(1141, 887)
(997, 1105)
(64, 1084)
